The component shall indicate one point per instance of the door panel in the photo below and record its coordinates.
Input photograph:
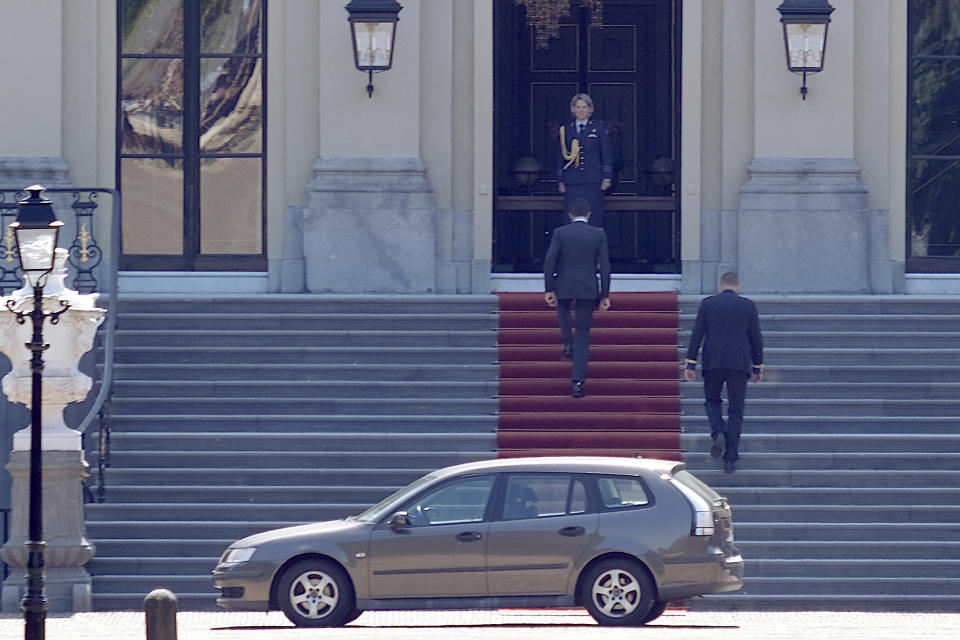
(442, 550)
(534, 556)
(436, 561)
(630, 67)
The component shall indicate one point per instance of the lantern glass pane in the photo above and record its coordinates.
(805, 44)
(374, 41)
(36, 249)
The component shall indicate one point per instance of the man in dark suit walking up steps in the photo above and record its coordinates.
(729, 328)
(578, 253)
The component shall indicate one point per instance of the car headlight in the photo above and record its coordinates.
(241, 554)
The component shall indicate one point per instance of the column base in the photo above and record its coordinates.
(67, 590)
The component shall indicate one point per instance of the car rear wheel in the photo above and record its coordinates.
(618, 592)
(317, 593)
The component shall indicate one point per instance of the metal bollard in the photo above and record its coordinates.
(160, 605)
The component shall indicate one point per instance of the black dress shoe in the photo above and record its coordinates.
(578, 389)
(716, 449)
(729, 466)
(567, 352)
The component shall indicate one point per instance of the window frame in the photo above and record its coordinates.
(921, 264)
(192, 258)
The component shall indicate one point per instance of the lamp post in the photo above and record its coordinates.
(805, 35)
(36, 229)
(373, 27)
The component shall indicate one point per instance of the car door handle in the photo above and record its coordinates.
(468, 536)
(572, 531)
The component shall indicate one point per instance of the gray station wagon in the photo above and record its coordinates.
(622, 537)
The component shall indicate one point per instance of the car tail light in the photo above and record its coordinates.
(702, 512)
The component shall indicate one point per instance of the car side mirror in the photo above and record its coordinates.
(399, 520)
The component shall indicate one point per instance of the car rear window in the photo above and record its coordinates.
(622, 492)
(692, 482)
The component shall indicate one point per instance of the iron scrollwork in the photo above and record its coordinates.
(84, 256)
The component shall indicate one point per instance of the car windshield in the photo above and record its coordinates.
(381, 509)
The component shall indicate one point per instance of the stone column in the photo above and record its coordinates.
(805, 227)
(32, 145)
(370, 227)
(805, 223)
(68, 585)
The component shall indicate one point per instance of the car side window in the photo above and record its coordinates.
(621, 492)
(459, 501)
(540, 495)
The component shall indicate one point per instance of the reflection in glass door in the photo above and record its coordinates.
(190, 134)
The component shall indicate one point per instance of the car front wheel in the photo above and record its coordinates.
(316, 593)
(655, 611)
(618, 592)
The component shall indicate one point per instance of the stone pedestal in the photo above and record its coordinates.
(370, 227)
(70, 338)
(805, 227)
(68, 585)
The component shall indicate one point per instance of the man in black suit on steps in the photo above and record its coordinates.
(729, 327)
(578, 253)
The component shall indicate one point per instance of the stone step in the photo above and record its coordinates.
(232, 338)
(129, 549)
(169, 565)
(133, 600)
(222, 306)
(310, 405)
(841, 374)
(850, 568)
(771, 388)
(814, 425)
(837, 407)
(847, 322)
(793, 356)
(228, 356)
(295, 389)
(238, 502)
(296, 443)
(853, 532)
(302, 423)
(822, 339)
(251, 478)
(325, 459)
(816, 304)
(824, 514)
(265, 371)
(829, 602)
(879, 478)
(830, 443)
(853, 497)
(185, 530)
(310, 321)
(860, 586)
(758, 460)
(198, 585)
(866, 549)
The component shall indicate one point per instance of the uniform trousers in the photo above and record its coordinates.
(575, 318)
(592, 193)
(736, 381)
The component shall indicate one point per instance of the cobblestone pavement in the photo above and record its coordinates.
(511, 624)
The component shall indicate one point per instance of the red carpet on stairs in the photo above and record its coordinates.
(632, 406)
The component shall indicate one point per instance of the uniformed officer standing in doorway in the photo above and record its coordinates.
(585, 165)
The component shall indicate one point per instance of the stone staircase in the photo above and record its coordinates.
(845, 496)
(233, 416)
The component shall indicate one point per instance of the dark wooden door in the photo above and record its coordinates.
(630, 67)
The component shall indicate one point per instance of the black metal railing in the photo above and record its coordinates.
(5, 532)
(84, 262)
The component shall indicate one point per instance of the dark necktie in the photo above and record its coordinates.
(580, 128)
